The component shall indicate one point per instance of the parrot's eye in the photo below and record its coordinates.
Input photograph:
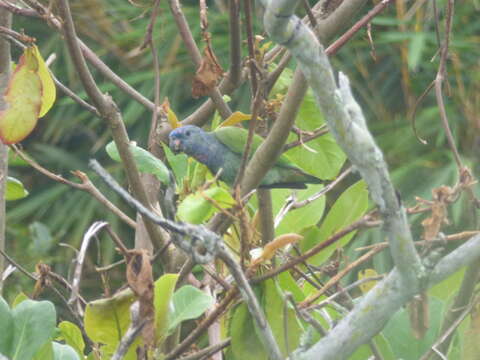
(187, 133)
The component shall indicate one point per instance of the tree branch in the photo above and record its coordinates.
(109, 112)
(5, 65)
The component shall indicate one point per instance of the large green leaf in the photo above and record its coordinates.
(107, 320)
(323, 157)
(146, 162)
(178, 163)
(188, 303)
(196, 208)
(42, 239)
(71, 334)
(298, 219)
(6, 326)
(326, 159)
(349, 207)
(400, 336)
(33, 325)
(64, 352)
(245, 341)
(164, 288)
(14, 189)
(284, 323)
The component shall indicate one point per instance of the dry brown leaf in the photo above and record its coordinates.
(419, 315)
(140, 280)
(275, 244)
(433, 224)
(43, 281)
(207, 75)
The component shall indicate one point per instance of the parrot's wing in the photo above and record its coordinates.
(235, 139)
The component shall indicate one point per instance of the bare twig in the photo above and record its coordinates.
(18, 266)
(441, 74)
(109, 111)
(77, 275)
(194, 52)
(362, 223)
(334, 280)
(204, 324)
(85, 185)
(133, 331)
(208, 351)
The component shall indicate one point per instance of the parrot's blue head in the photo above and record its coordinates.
(187, 139)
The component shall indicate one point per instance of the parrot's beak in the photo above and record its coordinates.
(175, 145)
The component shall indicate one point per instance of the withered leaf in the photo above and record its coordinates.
(433, 224)
(207, 75)
(140, 280)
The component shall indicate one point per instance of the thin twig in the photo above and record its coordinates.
(364, 222)
(195, 54)
(204, 324)
(334, 280)
(109, 112)
(77, 274)
(441, 74)
(133, 331)
(18, 266)
(208, 351)
(85, 185)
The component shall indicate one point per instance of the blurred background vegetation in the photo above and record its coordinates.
(387, 75)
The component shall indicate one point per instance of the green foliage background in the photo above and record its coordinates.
(387, 80)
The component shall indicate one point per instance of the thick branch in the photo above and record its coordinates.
(372, 313)
(346, 122)
(6, 21)
(109, 112)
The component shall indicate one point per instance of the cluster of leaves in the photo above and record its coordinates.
(107, 320)
(29, 331)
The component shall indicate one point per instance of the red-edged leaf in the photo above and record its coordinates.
(23, 98)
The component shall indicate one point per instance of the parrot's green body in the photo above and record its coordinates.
(221, 150)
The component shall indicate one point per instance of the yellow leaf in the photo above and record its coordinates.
(235, 118)
(23, 98)
(366, 286)
(277, 243)
(49, 91)
(171, 117)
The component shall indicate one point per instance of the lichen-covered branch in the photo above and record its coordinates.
(346, 122)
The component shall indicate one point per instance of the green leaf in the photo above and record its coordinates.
(245, 341)
(24, 99)
(349, 207)
(164, 288)
(71, 334)
(188, 303)
(19, 298)
(415, 49)
(64, 352)
(444, 289)
(400, 336)
(178, 163)
(196, 209)
(274, 307)
(33, 325)
(49, 91)
(45, 352)
(328, 158)
(6, 326)
(42, 239)
(288, 284)
(107, 320)
(298, 219)
(146, 162)
(14, 189)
